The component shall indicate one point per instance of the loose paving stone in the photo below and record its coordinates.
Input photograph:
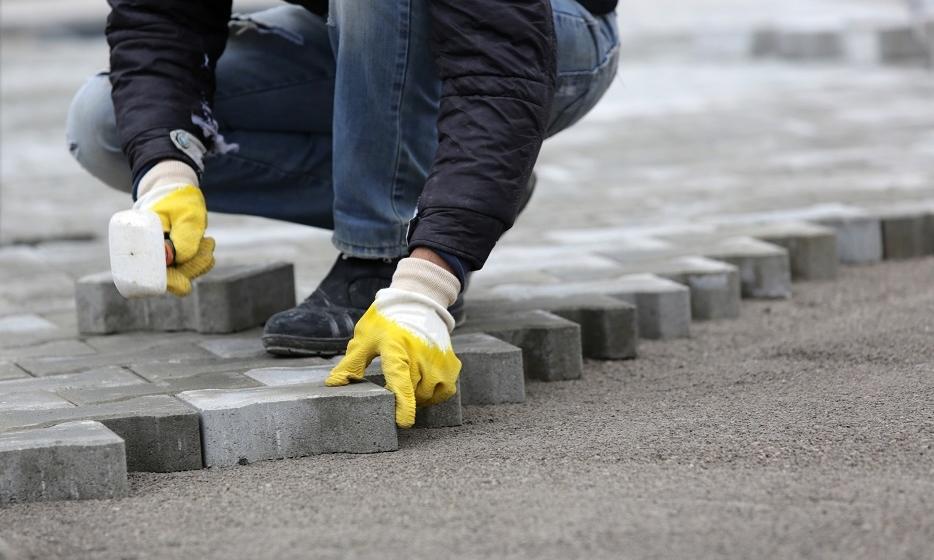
(491, 370)
(23, 324)
(176, 355)
(228, 299)
(764, 268)
(71, 461)
(448, 414)
(248, 425)
(551, 345)
(98, 378)
(161, 432)
(609, 326)
(11, 371)
(812, 249)
(663, 306)
(33, 400)
(238, 298)
(904, 234)
(714, 285)
(859, 238)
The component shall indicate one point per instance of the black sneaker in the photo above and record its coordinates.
(322, 325)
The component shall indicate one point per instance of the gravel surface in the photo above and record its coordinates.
(803, 429)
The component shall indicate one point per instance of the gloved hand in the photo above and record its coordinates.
(170, 189)
(408, 326)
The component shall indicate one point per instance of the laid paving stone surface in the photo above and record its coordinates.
(173, 356)
(280, 376)
(236, 347)
(9, 370)
(551, 345)
(24, 324)
(161, 433)
(97, 378)
(159, 372)
(170, 386)
(491, 370)
(228, 299)
(248, 425)
(33, 400)
(55, 348)
(663, 306)
(609, 326)
(70, 461)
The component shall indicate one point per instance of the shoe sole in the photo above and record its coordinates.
(286, 345)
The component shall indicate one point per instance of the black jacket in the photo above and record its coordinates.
(497, 64)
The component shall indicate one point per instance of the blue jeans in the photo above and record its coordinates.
(336, 121)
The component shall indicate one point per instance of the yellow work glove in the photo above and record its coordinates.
(409, 327)
(170, 190)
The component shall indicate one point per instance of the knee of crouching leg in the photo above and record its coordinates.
(91, 133)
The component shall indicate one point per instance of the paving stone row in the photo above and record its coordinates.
(163, 401)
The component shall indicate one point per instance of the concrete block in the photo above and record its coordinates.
(904, 234)
(281, 376)
(551, 346)
(236, 347)
(663, 307)
(247, 425)
(609, 326)
(161, 432)
(443, 415)
(491, 370)
(812, 249)
(227, 299)
(71, 461)
(764, 268)
(859, 238)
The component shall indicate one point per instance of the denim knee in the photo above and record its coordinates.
(91, 133)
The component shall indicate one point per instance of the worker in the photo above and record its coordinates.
(407, 127)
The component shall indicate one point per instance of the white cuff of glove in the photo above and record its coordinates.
(165, 176)
(428, 279)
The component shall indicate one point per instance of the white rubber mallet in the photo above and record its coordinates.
(139, 253)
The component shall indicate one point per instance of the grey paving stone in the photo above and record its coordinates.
(161, 432)
(714, 285)
(54, 348)
(235, 347)
(172, 356)
(798, 44)
(99, 378)
(812, 249)
(443, 415)
(609, 326)
(160, 372)
(170, 386)
(237, 298)
(859, 238)
(22, 324)
(248, 425)
(228, 299)
(904, 234)
(9, 370)
(905, 44)
(491, 370)
(71, 461)
(551, 345)
(764, 268)
(33, 400)
(663, 306)
(279, 376)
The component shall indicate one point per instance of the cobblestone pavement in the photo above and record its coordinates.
(707, 181)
